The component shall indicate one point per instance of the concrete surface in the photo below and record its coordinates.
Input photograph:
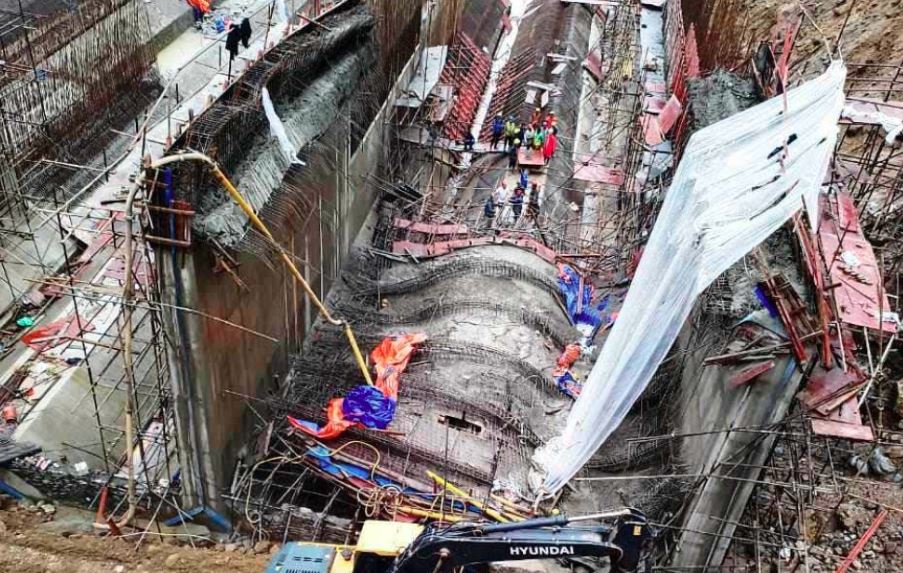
(215, 366)
(63, 422)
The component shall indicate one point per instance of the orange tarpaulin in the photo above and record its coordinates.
(336, 423)
(390, 358)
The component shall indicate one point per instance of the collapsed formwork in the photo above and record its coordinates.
(485, 389)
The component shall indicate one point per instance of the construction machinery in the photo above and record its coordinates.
(394, 547)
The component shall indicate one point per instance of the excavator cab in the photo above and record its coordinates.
(390, 547)
(379, 544)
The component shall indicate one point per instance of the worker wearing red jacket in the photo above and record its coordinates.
(199, 7)
(549, 146)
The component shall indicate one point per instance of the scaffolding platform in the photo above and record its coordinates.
(530, 158)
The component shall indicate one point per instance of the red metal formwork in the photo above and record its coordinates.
(856, 282)
(682, 53)
(467, 70)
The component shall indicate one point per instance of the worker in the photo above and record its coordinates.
(469, 141)
(521, 130)
(512, 154)
(536, 117)
(498, 129)
(528, 134)
(524, 178)
(533, 203)
(538, 139)
(517, 203)
(198, 9)
(500, 200)
(510, 132)
(488, 212)
(551, 121)
(500, 195)
(548, 148)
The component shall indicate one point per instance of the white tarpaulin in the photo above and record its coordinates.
(870, 112)
(738, 181)
(277, 128)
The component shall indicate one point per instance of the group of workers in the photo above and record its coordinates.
(540, 134)
(502, 208)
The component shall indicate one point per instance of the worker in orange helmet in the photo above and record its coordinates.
(536, 117)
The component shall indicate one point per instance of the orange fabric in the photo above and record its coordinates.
(569, 356)
(202, 5)
(336, 423)
(45, 337)
(391, 358)
(566, 359)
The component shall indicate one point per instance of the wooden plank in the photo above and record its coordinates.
(842, 430)
(750, 373)
(824, 386)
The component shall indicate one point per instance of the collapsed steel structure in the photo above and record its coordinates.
(52, 82)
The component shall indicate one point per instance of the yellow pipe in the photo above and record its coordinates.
(258, 224)
(460, 493)
(430, 514)
(513, 508)
(249, 211)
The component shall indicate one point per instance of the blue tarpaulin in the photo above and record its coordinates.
(368, 406)
(341, 470)
(589, 314)
(569, 285)
(568, 385)
(323, 458)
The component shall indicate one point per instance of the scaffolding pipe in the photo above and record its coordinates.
(125, 334)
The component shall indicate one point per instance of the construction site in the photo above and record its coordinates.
(403, 286)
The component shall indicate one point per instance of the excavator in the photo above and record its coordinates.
(394, 547)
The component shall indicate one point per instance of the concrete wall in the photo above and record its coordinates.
(63, 423)
(725, 457)
(576, 29)
(214, 365)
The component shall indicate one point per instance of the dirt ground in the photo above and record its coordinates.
(872, 34)
(29, 545)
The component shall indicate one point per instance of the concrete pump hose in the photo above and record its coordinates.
(262, 228)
